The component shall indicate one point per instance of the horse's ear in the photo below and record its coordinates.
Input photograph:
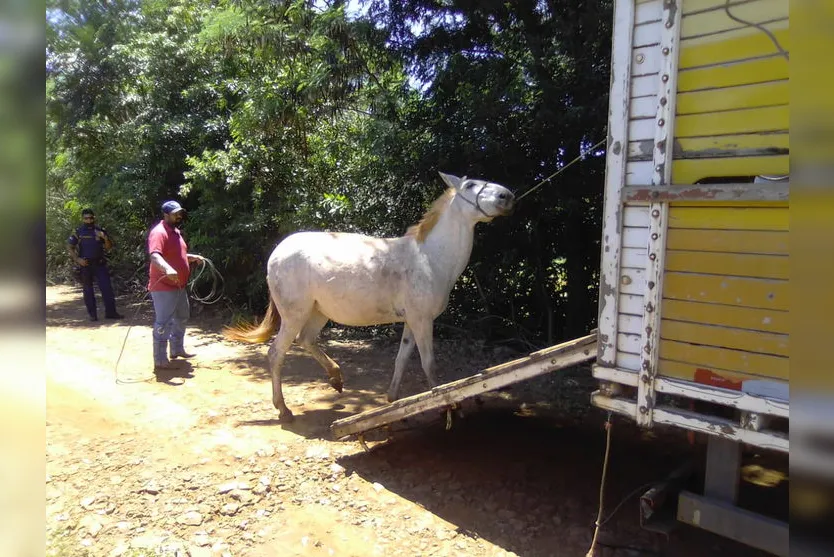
(451, 180)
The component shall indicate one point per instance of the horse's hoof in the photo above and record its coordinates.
(337, 384)
(286, 417)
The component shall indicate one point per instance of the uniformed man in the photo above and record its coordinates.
(87, 246)
(167, 279)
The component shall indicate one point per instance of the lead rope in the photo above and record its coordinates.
(577, 159)
(124, 342)
(214, 296)
(598, 522)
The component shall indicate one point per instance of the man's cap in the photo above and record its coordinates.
(171, 207)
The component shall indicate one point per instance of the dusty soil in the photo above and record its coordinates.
(137, 467)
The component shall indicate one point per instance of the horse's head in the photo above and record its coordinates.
(485, 200)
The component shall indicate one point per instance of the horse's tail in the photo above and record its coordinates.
(256, 333)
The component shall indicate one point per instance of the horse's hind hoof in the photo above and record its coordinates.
(286, 417)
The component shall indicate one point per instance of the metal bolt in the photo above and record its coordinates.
(651, 283)
(648, 330)
(663, 101)
(658, 168)
(652, 256)
(665, 50)
(649, 308)
(664, 78)
(644, 410)
(655, 213)
(645, 379)
(640, 58)
(655, 194)
(668, 25)
(646, 365)
(661, 122)
(654, 236)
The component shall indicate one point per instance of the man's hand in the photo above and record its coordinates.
(100, 234)
(170, 273)
(172, 276)
(193, 257)
(81, 261)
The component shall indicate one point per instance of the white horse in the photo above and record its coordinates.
(359, 280)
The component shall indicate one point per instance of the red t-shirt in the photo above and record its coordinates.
(168, 242)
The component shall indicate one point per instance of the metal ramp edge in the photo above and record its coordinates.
(537, 363)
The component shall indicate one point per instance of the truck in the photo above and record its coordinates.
(693, 303)
(692, 330)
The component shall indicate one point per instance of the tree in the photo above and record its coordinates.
(269, 117)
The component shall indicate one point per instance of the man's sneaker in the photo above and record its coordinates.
(114, 316)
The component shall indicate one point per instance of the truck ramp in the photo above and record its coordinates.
(537, 363)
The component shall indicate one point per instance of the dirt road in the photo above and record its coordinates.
(144, 468)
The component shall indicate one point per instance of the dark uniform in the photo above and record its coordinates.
(91, 248)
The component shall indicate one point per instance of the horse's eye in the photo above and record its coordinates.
(470, 185)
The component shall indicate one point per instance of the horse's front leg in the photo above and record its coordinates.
(423, 333)
(406, 349)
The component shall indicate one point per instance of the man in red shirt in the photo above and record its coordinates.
(168, 277)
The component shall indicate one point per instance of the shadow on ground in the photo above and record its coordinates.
(531, 484)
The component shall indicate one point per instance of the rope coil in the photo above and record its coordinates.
(218, 284)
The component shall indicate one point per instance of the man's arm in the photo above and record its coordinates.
(159, 262)
(72, 248)
(193, 257)
(103, 235)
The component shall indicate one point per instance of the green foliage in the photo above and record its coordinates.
(264, 118)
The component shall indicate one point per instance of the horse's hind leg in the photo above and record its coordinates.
(307, 340)
(283, 340)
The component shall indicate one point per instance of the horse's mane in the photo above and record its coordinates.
(421, 230)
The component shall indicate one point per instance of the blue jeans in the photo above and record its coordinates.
(172, 311)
